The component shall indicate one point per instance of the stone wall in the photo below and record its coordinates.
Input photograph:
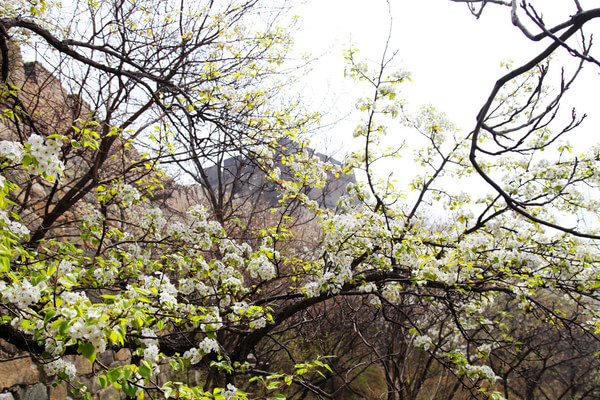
(22, 378)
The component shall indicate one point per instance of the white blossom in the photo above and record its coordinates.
(391, 292)
(262, 267)
(151, 353)
(423, 342)
(22, 294)
(208, 346)
(481, 371)
(230, 393)
(193, 355)
(60, 365)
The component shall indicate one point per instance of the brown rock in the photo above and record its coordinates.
(58, 392)
(123, 355)
(90, 382)
(83, 366)
(7, 348)
(18, 371)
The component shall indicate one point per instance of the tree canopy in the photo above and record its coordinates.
(432, 290)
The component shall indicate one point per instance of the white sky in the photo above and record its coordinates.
(454, 58)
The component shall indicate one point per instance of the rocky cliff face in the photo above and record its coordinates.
(242, 178)
(47, 106)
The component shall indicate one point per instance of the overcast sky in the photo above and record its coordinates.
(454, 58)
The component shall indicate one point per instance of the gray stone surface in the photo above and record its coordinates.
(36, 392)
(110, 393)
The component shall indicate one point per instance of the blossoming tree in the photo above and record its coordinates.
(90, 261)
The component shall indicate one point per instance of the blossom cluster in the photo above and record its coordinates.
(16, 228)
(90, 328)
(128, 195)
(37, 155)
(423, 342)
(206, 346)
(61, 366)
(153, 218)
(22, 294)
(391, 292)
(310, 170)
(167, 292)
(255, 314)
(262, 267)
(330, 282)
(480, 371)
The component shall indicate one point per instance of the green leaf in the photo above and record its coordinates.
(115, 337)
(176, 365)
(4, 264)
(114, 374)
(26, 160)
(167, 390)
(102, 381)
(127, 372)
(129, 389)
(88, 351)
(63, 327)
(273, 385)
(145, 371)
